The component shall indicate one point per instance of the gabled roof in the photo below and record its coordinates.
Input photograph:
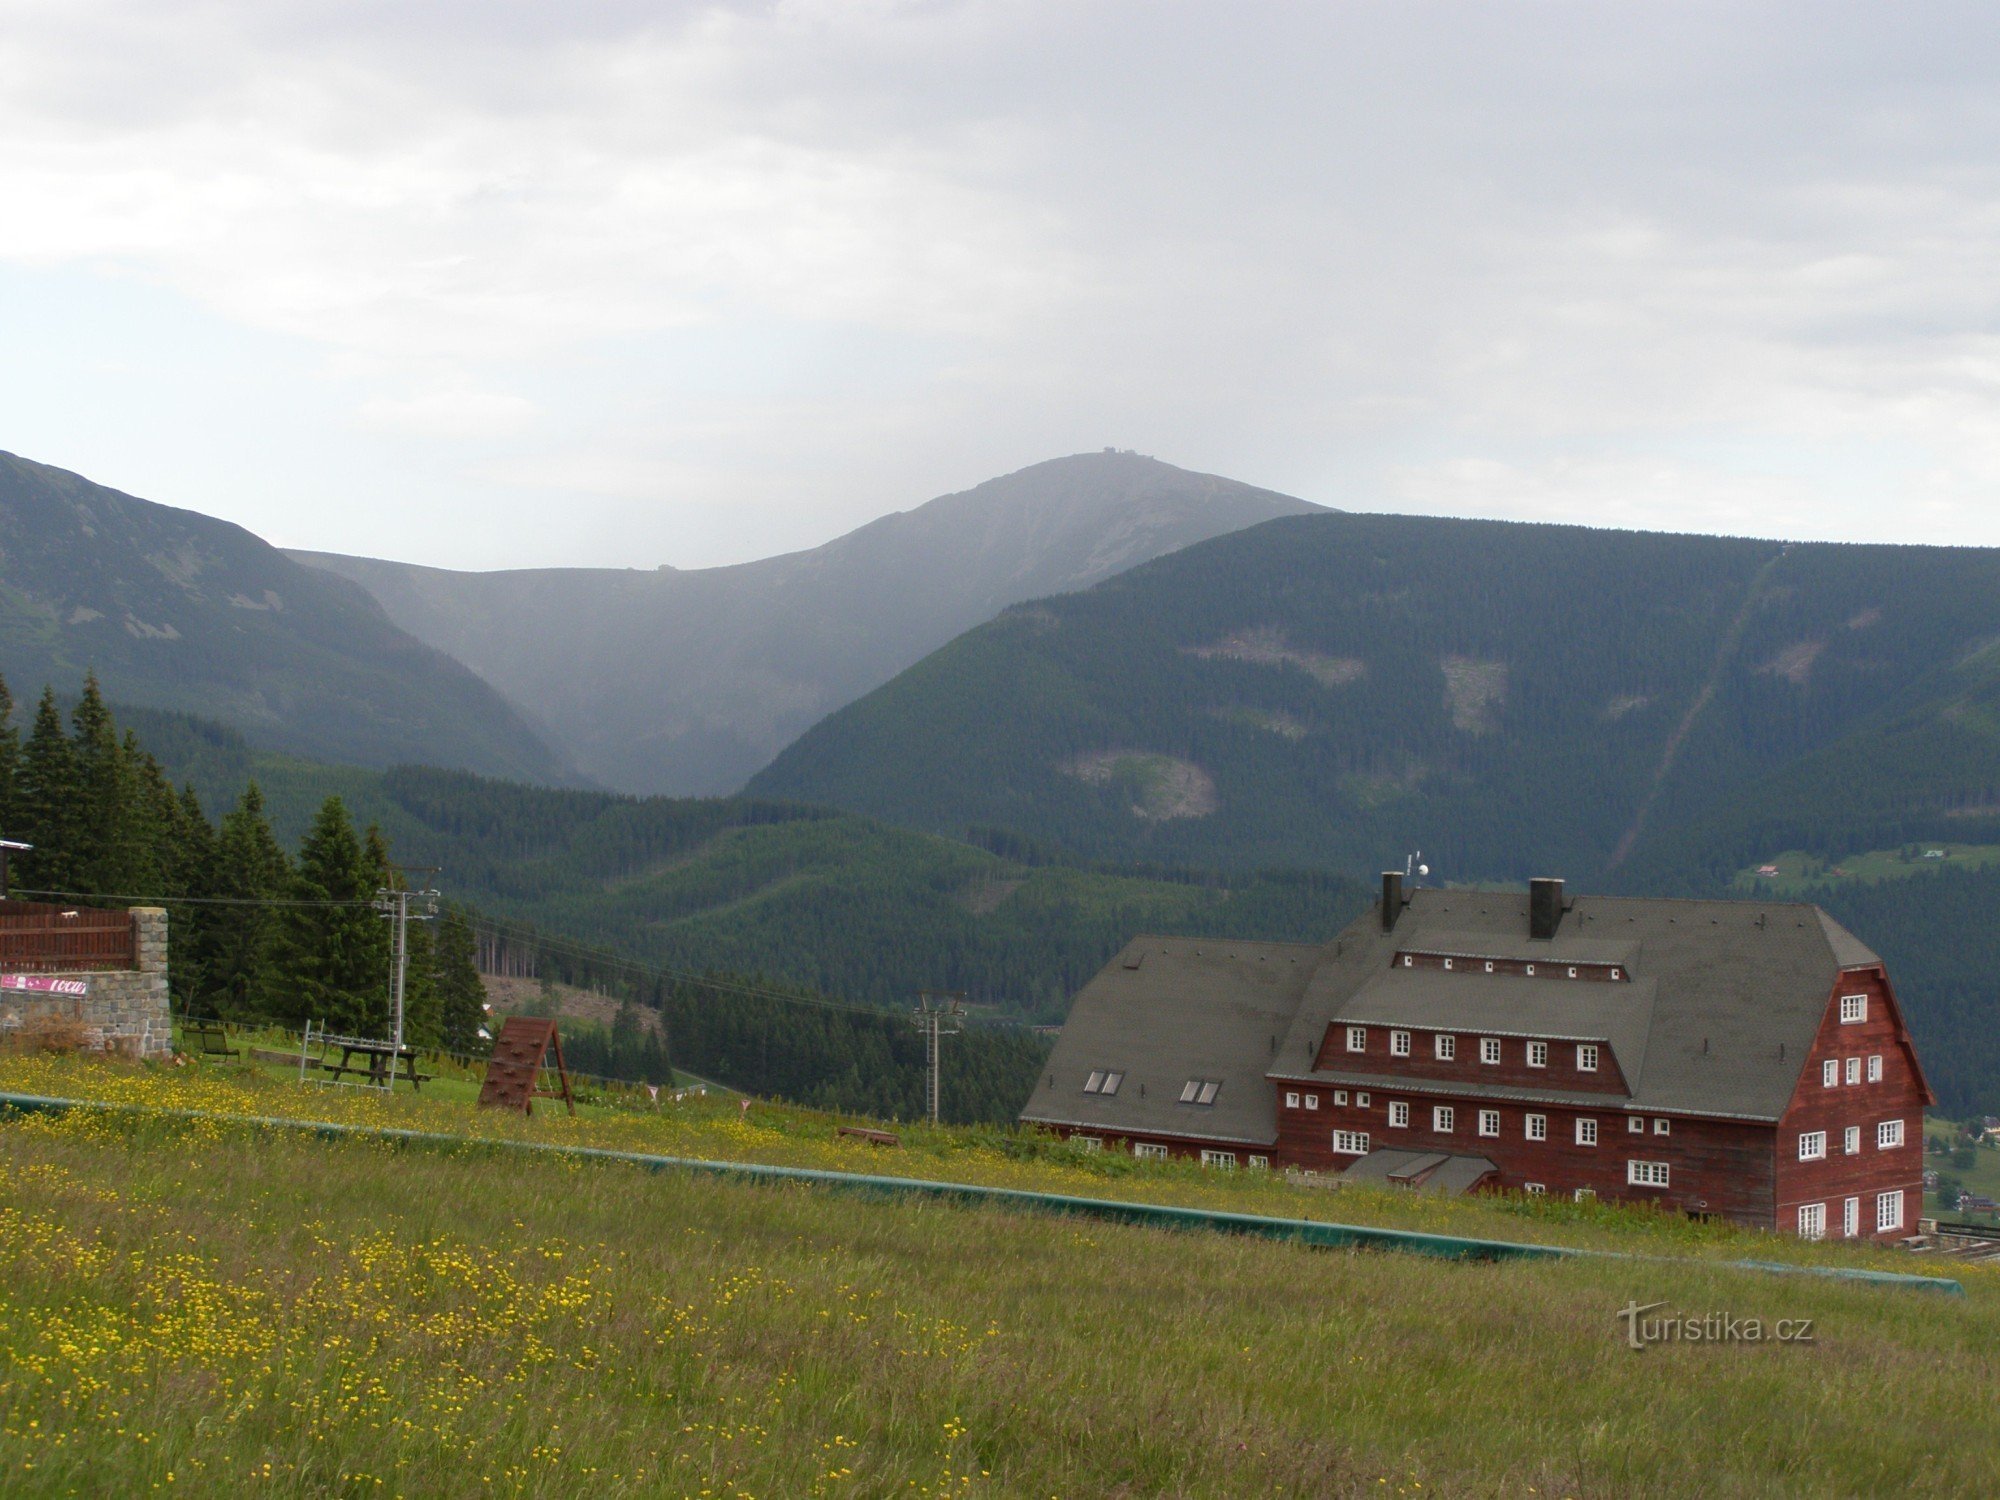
(1722, 1005)
(1167, 1010)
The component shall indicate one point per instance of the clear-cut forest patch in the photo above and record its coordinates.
(1162, 787)
(1473, 690)
(1268, 646)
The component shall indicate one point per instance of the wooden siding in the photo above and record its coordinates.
(41, 939)
(1512, 1071)
(1720, 1167)
(1900, 1095)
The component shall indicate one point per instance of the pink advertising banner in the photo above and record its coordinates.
(43, 984)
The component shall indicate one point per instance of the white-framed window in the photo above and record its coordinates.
(1531, 971)
(1586, 1057)
(1489, 1122)
(1447, 963)
(1850, 1218)
(1312, 1101)
(1635, 1124)
(1854, 1070)
(1538, 1054)
(1340, 1098)
(1261, 1161)
(1200, 1090)
(1291, 1099)
(1360, 1101)
(1147, 1151)
(1357, 1039)
(1489, 966)
(1888, 1135)
(1889, 1210)
(1447, 1046)
(1850, 1140)
(1534, 1189)
(1586, 1132)
(1646, 1173)
(1399, 1044)
(1812, 1221)
(1615, 974)
(1853, 1008)
(1399, 1115)
(1812, 1145)
(1087, 1142)
(1409, 962)
(1537, 1127)
(1489, 1049)
(1351, 1142)
(1663, 1126)
(1572, 971)
(1443, 1119)
(1829, 1073)
(1225, 1159)
(1875, 1068)
(1585, 1195)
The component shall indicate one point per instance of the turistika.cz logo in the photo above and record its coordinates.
(1645, 1324)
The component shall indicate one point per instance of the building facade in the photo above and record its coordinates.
(1741, 1059)
(102, 972)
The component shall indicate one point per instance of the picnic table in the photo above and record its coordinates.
(364, 1056)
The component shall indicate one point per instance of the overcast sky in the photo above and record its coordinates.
(506, 283)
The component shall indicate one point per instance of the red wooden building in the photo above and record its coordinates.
(1738, 1058)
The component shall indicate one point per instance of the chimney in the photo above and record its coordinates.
(1545, 908)
(1392, 898)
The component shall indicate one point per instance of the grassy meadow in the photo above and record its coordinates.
(197, 1306)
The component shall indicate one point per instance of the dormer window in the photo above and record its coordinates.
(1538, 1054)
(1357, 1039)
(1586, 1057)
(1615, 974)
(1531, 971)
(1103, 1081)
(1447, 1047)
(1489, 1049)
(1853, 1008)
(1399, 1044)
(1200, 1090)
(1447, 963)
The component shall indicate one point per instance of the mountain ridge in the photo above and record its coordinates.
(720, 668)
(174, 609)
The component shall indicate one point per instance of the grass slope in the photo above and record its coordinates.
(1515, 700)
(190, 1308)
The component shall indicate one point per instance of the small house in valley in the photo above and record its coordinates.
(1736, 1058)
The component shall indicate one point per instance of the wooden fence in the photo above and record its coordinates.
(37, 938)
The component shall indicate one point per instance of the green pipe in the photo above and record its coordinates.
(1298, 1231)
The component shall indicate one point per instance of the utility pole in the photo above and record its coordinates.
(939, 1013)
(394, 904)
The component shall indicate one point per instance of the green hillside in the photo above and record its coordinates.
(176, 610)
(1637, 710)
(840, 904)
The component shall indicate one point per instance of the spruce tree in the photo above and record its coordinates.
(461, 997)
(238, 956)
(105, 837)
(10, 766)
(48, 802)
(333, 965)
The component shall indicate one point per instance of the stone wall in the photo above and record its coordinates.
(125, 1009)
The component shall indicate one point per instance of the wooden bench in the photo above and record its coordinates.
(872, 1137)
(207, 1038)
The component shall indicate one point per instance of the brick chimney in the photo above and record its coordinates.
(1545, 908)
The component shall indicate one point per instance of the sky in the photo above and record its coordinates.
(499, 283)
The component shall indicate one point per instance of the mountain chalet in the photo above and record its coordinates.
(1732, 1058)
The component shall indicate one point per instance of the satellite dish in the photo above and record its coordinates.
(1423, 869)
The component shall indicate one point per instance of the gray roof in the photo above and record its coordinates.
(1167, 1010)
(1426, 1171)
(1722, 1004)
(1511, 1005)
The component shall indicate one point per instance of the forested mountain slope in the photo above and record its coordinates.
(861, 911)
(687, 682)
(1630, 710)
(842, 904)
(178, 610)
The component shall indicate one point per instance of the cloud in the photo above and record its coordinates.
(767, 270)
